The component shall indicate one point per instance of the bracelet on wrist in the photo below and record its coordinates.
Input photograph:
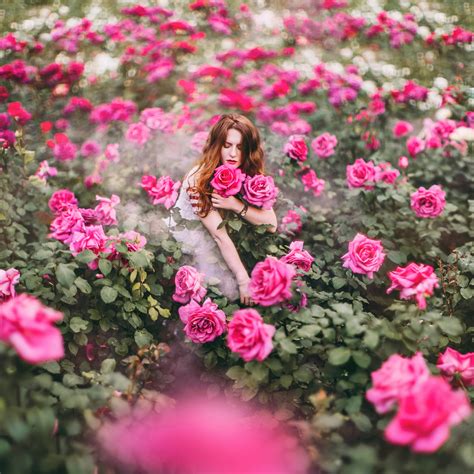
(244, 210)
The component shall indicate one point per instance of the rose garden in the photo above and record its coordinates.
(356, 355)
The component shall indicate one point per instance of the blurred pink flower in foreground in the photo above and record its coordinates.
(201, 436)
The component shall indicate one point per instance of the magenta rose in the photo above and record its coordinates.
(8, 279)
(296, 148)
(414, 281)
(454, 364)
(298, 257)
(164, 191)
(402, 128)
(365, 256)
(249, 336)
(384, 172)
(270, 281)
(65, 224)
(415, 146)
(360, 174)
(26, 324)
(61, 200)
(188, 282)
(428, 203)
(133, 240)
(324, 145)
(138, 133)
(202, 323)
(260, 190)
(426, 414)
(148, 182)
(105, 212)
(227, 181)
(396, 378)
(311, 182)
(89, 238)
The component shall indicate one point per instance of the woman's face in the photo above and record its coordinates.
(231, 151)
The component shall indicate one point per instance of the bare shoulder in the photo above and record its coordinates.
(192, 175)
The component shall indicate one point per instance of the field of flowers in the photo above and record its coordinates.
(359, 350)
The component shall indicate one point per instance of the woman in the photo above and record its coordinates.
(234, 141)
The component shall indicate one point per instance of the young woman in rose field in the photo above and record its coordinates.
(232, 162)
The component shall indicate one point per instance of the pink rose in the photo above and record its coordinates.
(89, 238)
(270, 281)
(428, 203)
(402, 128)
(188, 282)
(298, 257)
(163, 191)
(396, 378)
(61, 200)
(324, 145)
(415, 280)
(202, 323)
(311, 182)
(105, 211)
(65, 224)
(360, 174)
(90, 149)
(155, 119)
(296, 148)
(227, 181)
(8, 279)
(249, 336)
(452, 363)
(384, 172)
(133, 240)
(365, 256)
(26, 324)
(260, 190)
(148, 182)
(403, 162)
(426, 414)
(112, 153)
(138, 133)
(415, 146)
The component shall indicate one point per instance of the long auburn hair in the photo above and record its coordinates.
(251, 152)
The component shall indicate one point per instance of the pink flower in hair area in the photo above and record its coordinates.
(298, 257)
(360, 174)
(137, 133)
(454, 364)
(402, 128)
(296, 148)
(61, 200)
(260, 190)
(396, 378)
(148, 182)
(365, 256)
(270, 281)
(227, 180)
(249, 336)
(428, 203)
(415, 146)
(202, 323)
(188, 285)
(414, 281)
(324, 145)
(105, 211)
(311, 182)
(162, 190)
(426, 414)
(26, 324)
(8, 279)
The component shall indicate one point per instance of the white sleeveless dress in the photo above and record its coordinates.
(198, 244)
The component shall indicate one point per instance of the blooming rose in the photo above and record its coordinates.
(270, 281)
(249, 336)
(414, 280)
(384, 172)
(260, 190)
(452, 363)
(296, 148)
(162, 190)
(90, 149)
(65, 224)
(291, 223)
(61, 200)
(428, 203)
(202, 323)
(324, 145)
(298, 257)
(26, 324)
(138, 133)
(365, 255)
(227, 181)
(415, 146)
(8, 279)
(133, 240)
(403, 162)
(188, 283)
(105, 211)
(311, 182)
(426, 414)
(89, 238)
(148, 182)
(396, 378)
(360, 174)
(155, 119)
(402, 128)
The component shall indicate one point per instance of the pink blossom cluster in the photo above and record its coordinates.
(324, 145)
(77, 103)
(400, 32)
(44, 171)
(118, 109)
(427, 406)
(19, 115)
(291, 223)
(63, 148)
(311, 182)
(410, 91)
(161, 190)
(70, 38)
(54, 74)
(362, 174)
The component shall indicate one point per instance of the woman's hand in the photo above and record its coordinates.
(230, 203)
(245, 293)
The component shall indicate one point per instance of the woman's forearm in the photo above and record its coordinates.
(232, 258)
(259, 216)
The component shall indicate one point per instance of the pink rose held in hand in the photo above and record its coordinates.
(260, 191)
(227, 181)
(270, 281)
(365, 256)
(202, 323)
(428, 203)
(454, 364)
(296, 148)
(249, 336)
(188, 283)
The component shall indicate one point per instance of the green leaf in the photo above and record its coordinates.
(303, 374)
(236, 372)
(143, 337)
(138, 259)
(86, 256)
(235, 224)
(338, 282)
(65, 275)
(105, 266)
(107, 366)
(361, 421)
(288, 346)
(451, 326)
(371, 339)
(339, 355)
(153, 314)
(77, 324)
(286, 380)
(396, 257)
(362, 359)
(309, 331)
(108, 294)
(83, 285)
